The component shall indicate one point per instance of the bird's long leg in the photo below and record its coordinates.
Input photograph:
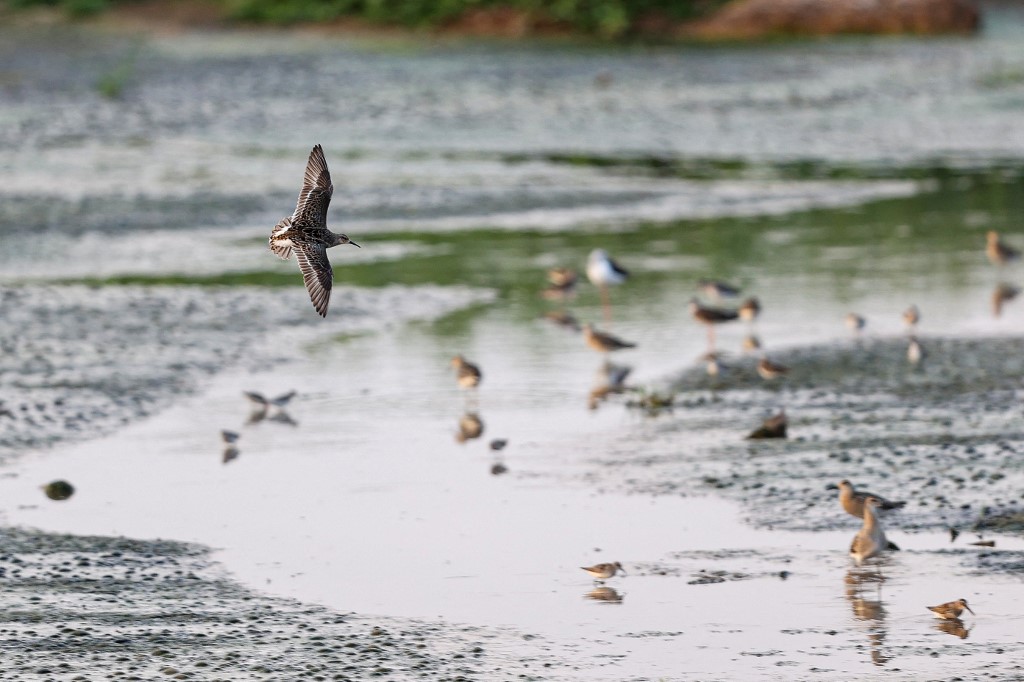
(606, 304)
(711, 338)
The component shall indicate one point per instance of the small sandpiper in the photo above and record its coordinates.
(709, 317)
(717, 290)
(999, 252)
(870, 540)
(467, 374)
(603, 342)
(770, 370)
(563, 318)
(855, 323)
(911, 316)
(562, 284)
(306, 233)
(773, 427)
(258, 400)
(229, 437)
(750, 309)
(852, 500)
(603, 272)
(951, 609)
(601, 572)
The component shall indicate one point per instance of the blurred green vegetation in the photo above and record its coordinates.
(608, 18)
(604, 18)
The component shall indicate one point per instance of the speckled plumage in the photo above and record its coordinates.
(306, 233)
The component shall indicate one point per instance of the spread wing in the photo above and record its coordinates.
(316, 273)
(315, 196)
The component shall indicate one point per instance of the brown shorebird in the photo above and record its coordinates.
(1003, 293)
(602, 342)
(951, 609)
(603, 272)
(999, 252)
(749, 309)
(716, 289)
(912, 316)
(870, 540)
(773, 427)
(852, 500)
(601, 572)
(562, 284)
(467, 374)
(306, 233)
(709, 317)
(855, 323)
(770, 370)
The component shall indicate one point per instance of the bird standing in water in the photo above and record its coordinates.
(306, 233)
(603, 272)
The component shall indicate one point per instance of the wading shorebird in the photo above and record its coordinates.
(911, 316)
(951, 609)
(716, 289)
(751, 343)
(999, 252)
(601, 572)
(770, 370)
(855, 323)
(749, 309)
(467, 375)
(870, 540)
(773, 427)
(261, 405)
(852, 500)
(709, 317)
(603, 272)
(470, 426)
(602, 342)
(306, 233)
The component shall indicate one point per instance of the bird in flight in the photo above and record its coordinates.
(306, 233)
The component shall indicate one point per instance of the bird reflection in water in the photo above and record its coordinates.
(230, 440)
(611, 379)
(262, 408)
(470, 427)
(604, 595)
(868, 609)
(1003, 293)
(953, 626)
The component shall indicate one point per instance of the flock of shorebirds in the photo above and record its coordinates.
(305, 233)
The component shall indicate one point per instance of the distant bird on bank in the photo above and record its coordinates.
(604, 272)
(951, 609)
(306, 233)
(999, 253)
(852, 500)
(258, 400)
(771, 370)
(467, 375)
(716, 289)
(498, 444)
(709, 317)
(911, 316)
(601, 572)
(603, 342)
(855, 323)
(773, 427)
(751, 343)
(870, 540)
(229, 437)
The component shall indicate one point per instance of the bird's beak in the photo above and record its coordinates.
(354, 244)
(831, 486)
(969, 609)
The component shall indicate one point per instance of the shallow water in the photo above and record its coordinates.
(445, 175)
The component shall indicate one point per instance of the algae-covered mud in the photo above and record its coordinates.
(139, 179)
